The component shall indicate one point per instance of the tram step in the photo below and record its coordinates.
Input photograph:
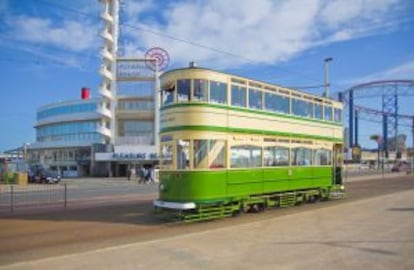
(287, 200)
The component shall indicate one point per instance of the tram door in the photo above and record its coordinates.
(337, 164)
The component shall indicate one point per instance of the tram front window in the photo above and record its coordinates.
(166, 155)
(183, 154)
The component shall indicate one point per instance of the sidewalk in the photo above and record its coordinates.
(377, 236)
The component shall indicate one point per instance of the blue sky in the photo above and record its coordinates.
(49, 49)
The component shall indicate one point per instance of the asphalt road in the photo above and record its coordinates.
(36, 236)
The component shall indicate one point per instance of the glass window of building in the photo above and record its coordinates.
(183, 90)
(218, 92)
(68, 132)
(338, 115)
(276, 156)
(276, 103)
(135, 128)
(238, 96)
(255, 99)
(183, 154)
(200, 90)
(328, 113)
(301, 156)
(245, 156)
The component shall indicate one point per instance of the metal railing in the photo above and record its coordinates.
(15, 197)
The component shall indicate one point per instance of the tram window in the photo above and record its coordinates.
(183, 90)
(218, 154)
(183, 154)
(302, 108)
(166, 155)
(200, 90)
(276, 103)
(321, 157)
(200, 151)
(328, 113)
(167, 97)
(276, 156)
(218, 92)
(338, 115)
(318, 111)
(209, 154)
(255, 99)
(245, 156)
(301, 156)
(238, 96)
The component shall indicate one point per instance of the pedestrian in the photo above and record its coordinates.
(129, 174)
(142, 175)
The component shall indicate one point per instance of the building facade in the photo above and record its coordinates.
(69, 137)
(110, 134)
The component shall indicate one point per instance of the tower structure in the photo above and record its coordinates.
(107, 88)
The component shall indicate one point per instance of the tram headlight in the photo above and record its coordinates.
(162, 187)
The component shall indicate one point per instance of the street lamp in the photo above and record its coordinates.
(327, 60)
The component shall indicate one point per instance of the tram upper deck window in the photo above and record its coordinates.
(218, 92)
(276, 103)
(338, 115)
(168, 94)
(328, 113)
(238, 96)
(255, 99)
(318, 111)
(200, 90)
(183, 90)
(302, 108)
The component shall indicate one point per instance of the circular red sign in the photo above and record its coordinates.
(161, 57)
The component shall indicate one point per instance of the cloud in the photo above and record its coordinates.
(404, 71)
(75, 36)
(233, 32)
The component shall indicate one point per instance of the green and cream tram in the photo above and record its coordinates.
(232, 144)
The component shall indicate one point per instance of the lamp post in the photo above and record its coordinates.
(327, 60)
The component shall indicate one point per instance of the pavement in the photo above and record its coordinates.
(375, 233)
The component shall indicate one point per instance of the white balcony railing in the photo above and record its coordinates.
(107, 17)
(104, 131)
(106, 73)
(107, 36)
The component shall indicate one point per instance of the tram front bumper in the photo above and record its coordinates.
(174, 205)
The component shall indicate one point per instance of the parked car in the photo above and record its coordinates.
(401, 167)
(44, 177)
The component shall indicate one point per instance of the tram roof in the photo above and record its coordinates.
(253, 80)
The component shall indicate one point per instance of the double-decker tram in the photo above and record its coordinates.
(231, 144)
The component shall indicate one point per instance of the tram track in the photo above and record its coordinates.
(33, 236)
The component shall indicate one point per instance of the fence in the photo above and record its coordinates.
(15, 197)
